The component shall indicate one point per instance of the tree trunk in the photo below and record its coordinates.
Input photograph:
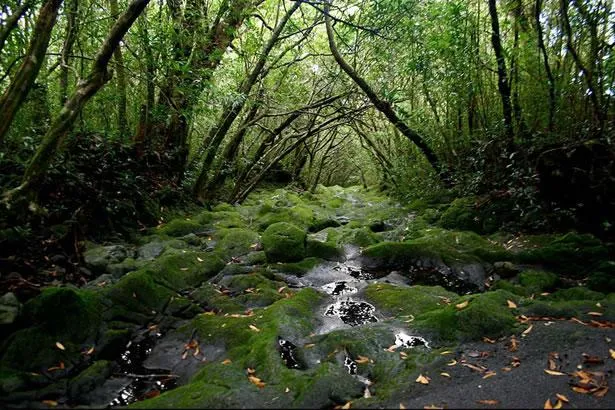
(11, 22)
(86, 89)
(70, 36)
(545, 58)
(122, 104)
(503, 84)
(384, 106)
(232, 110)
(22, 83)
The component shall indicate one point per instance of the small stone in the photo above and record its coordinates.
(9, 308)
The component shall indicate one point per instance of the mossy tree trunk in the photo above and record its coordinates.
(87, 88)
(18, 90)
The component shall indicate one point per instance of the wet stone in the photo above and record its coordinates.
(352, 313)
(350, 365)
(404, 340)
(146, 382)
(339, 288)
(287, 351)
(354, 271)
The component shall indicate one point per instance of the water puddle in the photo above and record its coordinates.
(404, 340)
(146, 382)
(351, 312)
(339, 288)
(288, 354)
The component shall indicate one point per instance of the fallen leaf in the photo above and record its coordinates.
(151, 394)
(362, 359)
(594, 313)
(489, 374)
(548, 404)
(511, 304)
(479, 369)
(487, 340)
(589, 359)
(506, 369)
(227, 361)
(489, 402)
(580, 390)
(444, 374)
(562, 397)
(462, 305)
(554, 373)
(446, 352)
(256, 381)
(452, 363)
(366, 393)
(403, 355)
(513, 345)
(309, 345)
(281, 289)
(612, 353)
(183, 269)
(256, 329)
(601, 392)
(527, 331)
(574, 319)
(50, 403)
(199, 259)
(185, 355)
(515, 362)
(422, 379)
(433, 407)
(346, 406)
(287, 390)
(402, 407)
(250, 370)
(60, 366)
(558, 405)
(60, 346)
(392, 348)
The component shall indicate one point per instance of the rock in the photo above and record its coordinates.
(505, 269)
(284, 242)
(191, 239)
(150, 251)
(9, 308)
(99, 257)
(89, 379)
(117, 270)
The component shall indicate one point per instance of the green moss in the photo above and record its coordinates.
(486, 315)
(212, 299)
(510, 287)
(136, 293)
(573, 254)
(89, 379)
(398, 300)
(361, 236)
(603, 278)
(255, 258)
(179, 227)
(324, 244)
(284, 242)
(462, 214)
(227, 219)
(576, 293)
(180, 269)
(236, 242)
(300, 215)
(538, 281)
(298, 268)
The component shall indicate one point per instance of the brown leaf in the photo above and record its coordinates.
(462, 305)
(403, 355)
(594, 313)
(580, 389)
(422, 379)
(506, 369)
(402, 407)
(527, 331)
(281, 289)
(515, 362)
(574, 319)
(433, 407)
(444, 374)
(50, 403)
(487, 340)
(346, 406)
(256, 329)
(250, 370)
(558, 405)
(392, 348)
(612, 353)
(601, 392)
(60, 346)
(227, 361)
(554, 373)
(309, 345)
(588, 359)
(562, 397)
(548, 404)
(362, 359)
(256, 381)
(489, 374)
(514, 344)
(90, 351)
(511, 304)
(60, 366)
(489, 402)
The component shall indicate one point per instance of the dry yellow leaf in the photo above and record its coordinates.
(256, 381)
(444, 374)
(227, 361)
(548, 404)
(446, 352)
(433, 407)
(422, 379)
(90, 351)
(462, 305)
(594, 313)
(580, 390)
(362, 360)
(562, 397)
(612, 353)
(346, 406)
(601, 392)
(309, 345)
(281, 289)
(489, 374)
(511, 304)
(392, 348)
(487, 340)
(199, 259)
(554, 373)
(490, 402)
(183, 269)
(256, 329)
(60, 346)
(558, 405)
(452, 363)
(402, 407)
(50, 403)
(528, 330)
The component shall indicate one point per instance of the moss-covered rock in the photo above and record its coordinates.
(89, 379)
(324, 244)
(297, 268)
(179, 227)
(538, 281)
(603, 278)
(462, 215)
(284, 242)
(486, 315)
(236, 242)
(402, 300)
(180, 269)
(98, 257)
(572, 254)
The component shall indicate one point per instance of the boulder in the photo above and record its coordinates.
(284, 242)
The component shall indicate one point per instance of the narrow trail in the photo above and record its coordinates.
(339, 298)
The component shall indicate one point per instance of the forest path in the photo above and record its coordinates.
(338, 298)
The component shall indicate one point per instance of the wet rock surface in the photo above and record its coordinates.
(220, 310)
